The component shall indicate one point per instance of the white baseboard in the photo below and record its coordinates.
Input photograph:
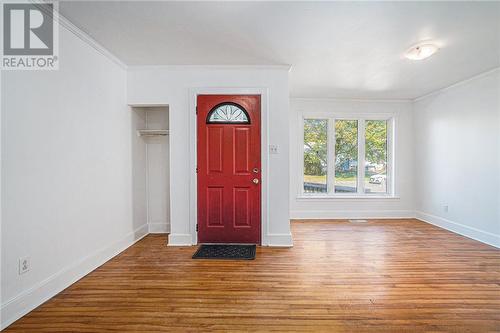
(280, 240)
(352, 214)
(461, 229)
(159, 228)
(180, 240)
(28, 300)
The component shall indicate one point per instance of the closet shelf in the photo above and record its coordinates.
(152, 132)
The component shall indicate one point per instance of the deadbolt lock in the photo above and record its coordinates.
(255, 170)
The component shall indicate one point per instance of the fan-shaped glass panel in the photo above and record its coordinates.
(228, 113)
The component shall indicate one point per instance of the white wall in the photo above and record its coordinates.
(458, 158)
(66, 174)
(139, 167)
(402, 205)
(174, 85)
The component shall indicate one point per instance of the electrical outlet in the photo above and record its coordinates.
(445, 208)
(273, 149)
(24, 265)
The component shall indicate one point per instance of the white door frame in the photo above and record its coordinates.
(193, 195)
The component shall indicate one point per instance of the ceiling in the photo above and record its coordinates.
(336, 49)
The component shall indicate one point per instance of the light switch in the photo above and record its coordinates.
(273, 149)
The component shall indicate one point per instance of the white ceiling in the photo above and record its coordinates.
(336, 49)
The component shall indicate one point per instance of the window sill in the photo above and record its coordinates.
(346, 197)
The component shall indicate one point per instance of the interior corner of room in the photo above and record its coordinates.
(340, 146)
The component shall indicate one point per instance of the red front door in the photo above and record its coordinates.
(229, 168)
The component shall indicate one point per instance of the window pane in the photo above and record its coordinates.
(315, 155)
(346, 156)
(376, 156)
(228, 113)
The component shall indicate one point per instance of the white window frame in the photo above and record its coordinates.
(330, 178)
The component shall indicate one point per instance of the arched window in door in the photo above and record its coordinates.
(228, 113)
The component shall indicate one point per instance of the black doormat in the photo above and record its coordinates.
(222, 251)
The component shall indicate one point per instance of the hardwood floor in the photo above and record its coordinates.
(381, 276)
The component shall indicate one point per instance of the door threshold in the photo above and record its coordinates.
(228, 244)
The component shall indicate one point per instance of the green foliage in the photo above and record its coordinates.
(376, 141)
(346, 144)
(315, 146)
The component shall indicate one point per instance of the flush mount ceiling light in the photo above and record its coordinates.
(421, 51)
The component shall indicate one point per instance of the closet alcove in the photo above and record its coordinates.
(150, 154)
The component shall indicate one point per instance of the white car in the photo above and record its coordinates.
(377, 179)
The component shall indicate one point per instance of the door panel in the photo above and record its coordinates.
(241, 150)
(229, 169)
(242, 208)
(214, 206)
(214, 149)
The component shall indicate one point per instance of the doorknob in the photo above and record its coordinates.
(255, 181)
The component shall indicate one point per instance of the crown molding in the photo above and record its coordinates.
(86, 38)
(210, 67)
(352, 100)
(64, 22)
(456, 84)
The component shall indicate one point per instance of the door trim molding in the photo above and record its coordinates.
(264, 109)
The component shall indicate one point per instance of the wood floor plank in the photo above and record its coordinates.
(380, 276)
